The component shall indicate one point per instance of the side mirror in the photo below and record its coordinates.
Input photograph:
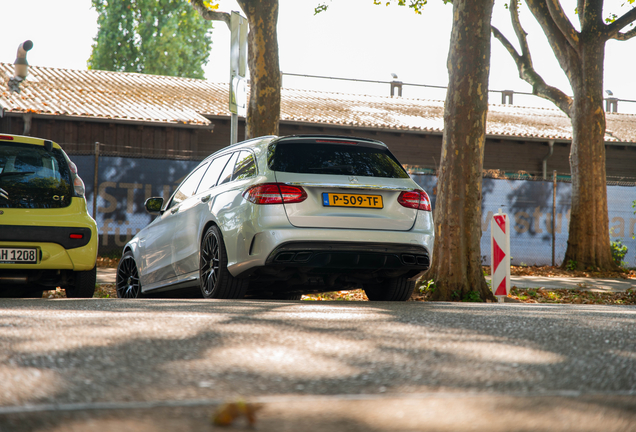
(153, 205)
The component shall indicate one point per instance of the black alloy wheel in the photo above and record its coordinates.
(214, 277)
(209, 263)
(128, 285)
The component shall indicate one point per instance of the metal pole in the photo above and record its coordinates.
(554, 185)
(234, 129)
(95, 187)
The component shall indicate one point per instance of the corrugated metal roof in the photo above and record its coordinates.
(113, 95)
(162, 99)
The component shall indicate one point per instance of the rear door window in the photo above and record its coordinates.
(345, 159)
(245, 166)
(226, 175)
(32, 177)
(213, 173)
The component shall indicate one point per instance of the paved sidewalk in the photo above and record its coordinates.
(107, 276)
(589, 284)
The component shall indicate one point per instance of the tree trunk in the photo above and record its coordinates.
(456, 267)
(588, 241)
(263, 110)
(581, 56)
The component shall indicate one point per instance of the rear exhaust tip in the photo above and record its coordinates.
(423, 261)
(285, 257)
(302, 256)
(408, 259)
(17, 279)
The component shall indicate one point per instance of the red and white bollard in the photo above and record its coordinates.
(500, 256)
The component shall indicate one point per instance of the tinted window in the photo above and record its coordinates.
(189, 186)
(245, 166)
(358, 160)
(32, 177)
(226, 175)
(214, 171)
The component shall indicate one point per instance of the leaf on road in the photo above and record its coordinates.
(227, 413)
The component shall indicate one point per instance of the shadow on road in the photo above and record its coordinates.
(109, 350)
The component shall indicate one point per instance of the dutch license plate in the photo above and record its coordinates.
(18, 256)
(352, 200)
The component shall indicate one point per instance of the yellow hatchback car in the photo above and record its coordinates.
(47, 237)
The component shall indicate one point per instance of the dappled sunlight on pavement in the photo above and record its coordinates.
(409, 356)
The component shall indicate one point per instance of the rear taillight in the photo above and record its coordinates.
(72, 167)
(417, 199)
(78, 184)
(275, 193)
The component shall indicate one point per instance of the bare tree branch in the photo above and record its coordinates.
(507, 45)
(566, 54)
(591, 18)
(580, 7)
(519, 31)
(614, 28)
(563, 23)
(209, 14)
(525, 67)
(626, 36)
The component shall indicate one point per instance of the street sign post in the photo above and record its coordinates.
(238, 71)
(500, 255)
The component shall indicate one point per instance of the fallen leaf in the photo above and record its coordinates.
(227, 413)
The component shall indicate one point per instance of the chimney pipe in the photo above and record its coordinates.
(21, 66)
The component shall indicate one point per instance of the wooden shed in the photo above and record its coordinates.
(162, 117)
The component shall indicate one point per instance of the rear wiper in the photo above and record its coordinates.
(337, 168)
(16, 173)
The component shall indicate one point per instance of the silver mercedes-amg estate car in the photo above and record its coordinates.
(280, 217)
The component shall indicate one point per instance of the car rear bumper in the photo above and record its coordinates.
(335, 250)
(67, 237)
(350, 255)
(53, 256)
(64, 238)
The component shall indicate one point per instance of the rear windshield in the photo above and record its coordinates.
(346, 159)
(32, 177)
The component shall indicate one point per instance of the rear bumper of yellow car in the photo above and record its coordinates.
(64, 238)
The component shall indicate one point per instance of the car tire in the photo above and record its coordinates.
(127, 283)
(214, 278)
(398, 289)
(83, 284)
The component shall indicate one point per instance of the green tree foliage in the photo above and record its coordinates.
(416, 5)
(161, 37)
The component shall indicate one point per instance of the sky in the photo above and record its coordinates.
(352, 39)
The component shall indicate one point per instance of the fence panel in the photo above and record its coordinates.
(125, 183)
(529, 205)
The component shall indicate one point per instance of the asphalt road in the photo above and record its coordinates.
(165, 365)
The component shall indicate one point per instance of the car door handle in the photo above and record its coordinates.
(206, 198)
(174, 210)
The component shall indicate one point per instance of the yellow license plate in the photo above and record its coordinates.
(351, 200)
